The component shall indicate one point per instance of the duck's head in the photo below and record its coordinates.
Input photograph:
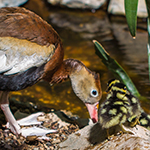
(86, 85)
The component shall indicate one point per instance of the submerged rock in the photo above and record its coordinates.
(82, 4)
(12, 3)
(116, 7)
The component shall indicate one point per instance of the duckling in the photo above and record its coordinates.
(119, 107)
(134, 102)
(116, 108)
(30, 51)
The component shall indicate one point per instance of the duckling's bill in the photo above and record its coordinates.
(93, 111)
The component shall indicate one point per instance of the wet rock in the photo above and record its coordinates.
(125, 141)
(116, 7)
(78, 140)
(82, 4)
(12, 3)
(94, 137)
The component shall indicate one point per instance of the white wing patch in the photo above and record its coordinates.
(3, 67)
(17, 55)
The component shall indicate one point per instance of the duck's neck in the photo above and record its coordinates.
(70, 68)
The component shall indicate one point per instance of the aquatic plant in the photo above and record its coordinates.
(131, 17)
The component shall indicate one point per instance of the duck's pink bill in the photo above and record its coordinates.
(93, 111)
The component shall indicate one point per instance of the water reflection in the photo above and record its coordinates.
(77, 30)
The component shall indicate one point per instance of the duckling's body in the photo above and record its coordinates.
(116, 108)
(31, 50)
(135, 110)
(120, 106)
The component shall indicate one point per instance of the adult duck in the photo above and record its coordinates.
(31, 50)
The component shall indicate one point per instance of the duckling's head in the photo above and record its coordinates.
(119, 87)
(111, 83)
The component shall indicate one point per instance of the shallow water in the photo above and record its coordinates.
(77, 29)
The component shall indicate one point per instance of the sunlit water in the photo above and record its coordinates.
(77, 41)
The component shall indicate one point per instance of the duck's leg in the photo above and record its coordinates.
(4, 103)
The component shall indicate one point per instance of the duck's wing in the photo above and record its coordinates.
(26, 40)
(18, 55)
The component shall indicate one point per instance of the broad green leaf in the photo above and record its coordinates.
(116, 69)
(131, 15)
(148, 29)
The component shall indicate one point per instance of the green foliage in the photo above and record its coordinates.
(131, 15)
(148, 29)
(116, 69)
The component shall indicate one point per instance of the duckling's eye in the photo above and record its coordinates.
(94, 93)
(125, 88)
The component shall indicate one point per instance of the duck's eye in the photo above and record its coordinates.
(94, 93)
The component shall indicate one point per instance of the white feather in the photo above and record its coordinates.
(18, 55)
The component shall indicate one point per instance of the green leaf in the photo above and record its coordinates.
(148, 29)
(116, 69)
(131, 15)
